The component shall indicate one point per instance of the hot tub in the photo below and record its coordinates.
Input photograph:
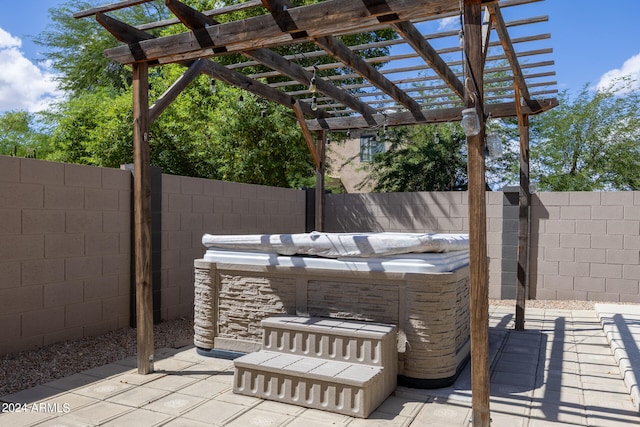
(426, 295)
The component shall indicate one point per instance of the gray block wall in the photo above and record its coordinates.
(583, 245)
(65, 232)
(65, 244)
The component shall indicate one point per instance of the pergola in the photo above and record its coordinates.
(429, 76)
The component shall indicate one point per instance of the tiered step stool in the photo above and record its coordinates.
(336, 365)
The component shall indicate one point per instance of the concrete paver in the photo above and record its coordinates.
(621, 325)
(563, 370)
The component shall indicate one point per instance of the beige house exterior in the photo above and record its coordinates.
(348, 160)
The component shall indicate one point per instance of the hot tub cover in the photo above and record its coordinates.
(334, 245)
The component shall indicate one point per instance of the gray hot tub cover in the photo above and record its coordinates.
(334, 245)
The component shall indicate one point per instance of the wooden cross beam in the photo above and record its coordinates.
(411, 34)
(438, 115)
(197, 22)
(360, 66)
(509, 51)
(327, 18)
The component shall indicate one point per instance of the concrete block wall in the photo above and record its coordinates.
(194, 206)
(65, 244)
(64, 252)
(586, 246)
(426, 212)
(65, 241)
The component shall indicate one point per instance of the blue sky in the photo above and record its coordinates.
(592, 43)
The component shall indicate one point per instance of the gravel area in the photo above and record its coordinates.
(30, 368)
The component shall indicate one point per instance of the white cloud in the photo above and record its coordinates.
(451, 23)
(630, 69)
(23, 85)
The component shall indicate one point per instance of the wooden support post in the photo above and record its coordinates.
(142, 217)
(306, 133)
(524, 203)
(478, 265)
(320, 147)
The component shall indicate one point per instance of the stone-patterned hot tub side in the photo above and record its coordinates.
(429, 309)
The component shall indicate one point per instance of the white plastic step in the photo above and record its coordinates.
(351, 389)
(331, 339)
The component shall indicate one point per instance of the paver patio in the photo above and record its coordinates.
(560, 371)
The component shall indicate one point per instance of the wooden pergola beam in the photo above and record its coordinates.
(327, 18)
(411, 34)
(438, 115)
(176, 89)
(509, 51)
(190, 17)
(121, 31)
(360, 66)
(275, 61)
(220, 72)
(197, 21)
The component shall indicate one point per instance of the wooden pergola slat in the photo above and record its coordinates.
(108, 8)
(509, 51)
(221, 11)
(198, 21)
(272, 60)
(409, 32)
(357, 64)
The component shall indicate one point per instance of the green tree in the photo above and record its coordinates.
(422, 158)
(19, 135)
(199, 134)
(93, 128)
(259, 142)
(75, 47)
(588, 143)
